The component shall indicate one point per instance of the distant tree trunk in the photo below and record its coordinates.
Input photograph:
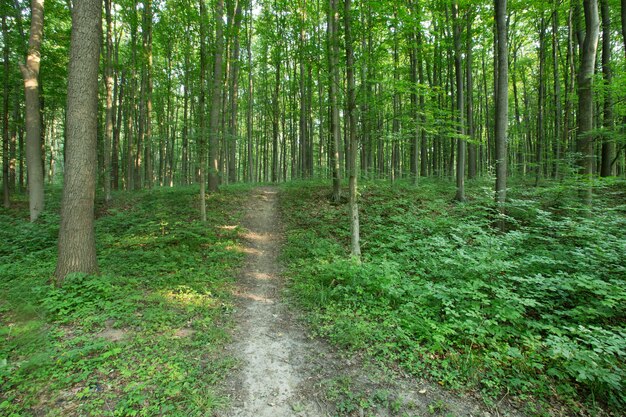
(5, 116)
(234, 94)
(558, 131)
(201, 117)
(249, 107)
(147, 41)
(77, 243)
(333, 51)
(354, 206)
(502, 104)
(607, 142)
(541, 135)
(471, 154)
(115, 151)
(216, 97)
(584, 142)
(276, 109)
(460, 106)
(30, 72)
(185, 133)
(108, 80)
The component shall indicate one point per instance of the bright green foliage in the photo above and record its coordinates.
(145, 337)
(537, 312)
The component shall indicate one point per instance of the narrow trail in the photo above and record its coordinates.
(272, 349)
(284, 373)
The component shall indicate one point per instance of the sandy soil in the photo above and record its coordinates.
(284, 372)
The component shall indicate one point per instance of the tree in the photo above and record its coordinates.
(216, 97)
(30, 72)
(77, 243)
(354, 205)
(460, 105)
(607, 144)
(333, 83)
(5, 116)
(584, 141)
(108, 80)
(502, 103)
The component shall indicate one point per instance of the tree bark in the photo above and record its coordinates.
(333, 51)
(5, 116)
(108, 80)
(77, 243)
(607, 142)
(471, 165)
(502, 105)
(30, 72)
(216, 96)
(584, 142)
(460, 106)
(354, 205)
(201, 116)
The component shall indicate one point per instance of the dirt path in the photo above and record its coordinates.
(285, 373)
(272, 349)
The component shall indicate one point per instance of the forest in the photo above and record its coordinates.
(428, 196)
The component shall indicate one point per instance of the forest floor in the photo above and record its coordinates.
(283, 371)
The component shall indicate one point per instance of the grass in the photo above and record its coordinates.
(536, 313)
(143, 338)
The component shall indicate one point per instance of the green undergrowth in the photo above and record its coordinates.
(536, 313)
(143, 338)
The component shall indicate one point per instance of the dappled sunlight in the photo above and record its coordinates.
(257, 237)
(253, 297)
(185, 296)
(261, 276)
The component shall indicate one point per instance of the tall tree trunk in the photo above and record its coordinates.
(460, 106)
(233, 96)
(216, 97)
(30, 72)
(607, 142)
(5, 116)
(354, 206)
(584, 141)
(541, 135)
(77, 242)
(147, 41)
(471, 154)
(558, 131)
(108, 80)
(201, 116)
(333, 52)
(249, 107)
(502, 105)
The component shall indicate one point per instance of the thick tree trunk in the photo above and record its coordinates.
(502, 105)
(584, 141)
(77, 243)
(216, 98)
(30, 72)
(354, 206)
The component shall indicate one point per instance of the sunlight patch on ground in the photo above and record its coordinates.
(264, 276)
